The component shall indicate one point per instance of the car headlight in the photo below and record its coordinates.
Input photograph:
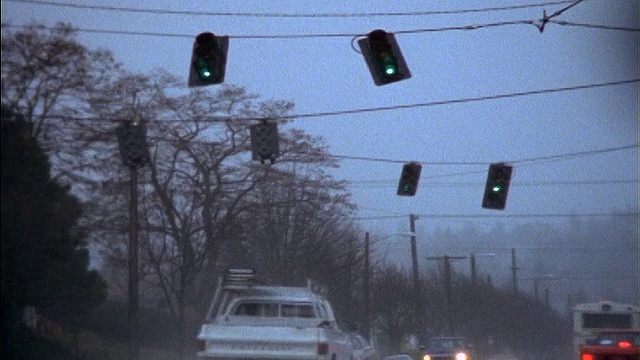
(461, 356)
(426, 357)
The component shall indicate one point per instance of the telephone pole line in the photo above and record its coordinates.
(514, 270)
(448, 285)
(416, 275)
(367, 291)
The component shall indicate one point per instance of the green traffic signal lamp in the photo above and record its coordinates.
(497, 186)
(409, 179)
(204, 67)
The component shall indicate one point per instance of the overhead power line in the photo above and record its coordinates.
(393, 183)
(499, 216)
(290, 15)
(460, 101)
(467, 27)
(386, 108)
(518, 161)
(594, 26)
(294, 36)
(224, 119)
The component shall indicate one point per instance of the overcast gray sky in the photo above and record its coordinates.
(574, 152)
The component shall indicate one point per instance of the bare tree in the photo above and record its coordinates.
(392, 305)
(46, 77)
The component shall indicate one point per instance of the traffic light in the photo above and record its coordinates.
(208, 59)
(383, 57)
(497, 187)
(409, 178)
(132, 140)
(264, 142)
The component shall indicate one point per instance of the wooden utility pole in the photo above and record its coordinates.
(416, 274)
(367, 291)
(133, 267)
(448, 286)
(514, 269)
(134, 151)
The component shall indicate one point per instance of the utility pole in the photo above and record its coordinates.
(448, 286)
(367, 295)
(133, 267)
(474, 267)
(546, 297)
(135, 154)
(416, 275)
(473, 271)
(514, 269)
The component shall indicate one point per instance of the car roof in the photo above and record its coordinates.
(398, 357)
(278, 293)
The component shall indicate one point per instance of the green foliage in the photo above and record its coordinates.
(156, 327)
(44, 261)
(22, 344)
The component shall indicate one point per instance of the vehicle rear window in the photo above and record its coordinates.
(257, 309)
(266, 309)
(297, 310)
(604, 321)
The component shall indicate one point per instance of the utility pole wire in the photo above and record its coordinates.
(287, 15)
(380, 108)
(546, 19)
(541, 159)
(594, 26)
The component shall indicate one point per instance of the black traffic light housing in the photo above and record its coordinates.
(132, 141)
(208, 60)
(264, 142)
(497, 187)
(383, 57)
(409, 179)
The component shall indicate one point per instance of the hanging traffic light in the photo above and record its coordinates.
(132, 141)
(208, 60)
(264, 142)
(383, 57)
(497, 187)
(409, 178)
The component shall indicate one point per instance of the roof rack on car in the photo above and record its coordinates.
(239, 279)
(317, 288)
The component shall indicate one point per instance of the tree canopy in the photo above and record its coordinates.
(45, 262)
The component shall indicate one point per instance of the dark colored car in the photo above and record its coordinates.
(613, 344)
(447, 348)
(362, 350)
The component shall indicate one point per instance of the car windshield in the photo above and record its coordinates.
(445, 344)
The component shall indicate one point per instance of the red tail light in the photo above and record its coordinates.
(624, 344)
(323, 349)
(587, 357)
(201, 345)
